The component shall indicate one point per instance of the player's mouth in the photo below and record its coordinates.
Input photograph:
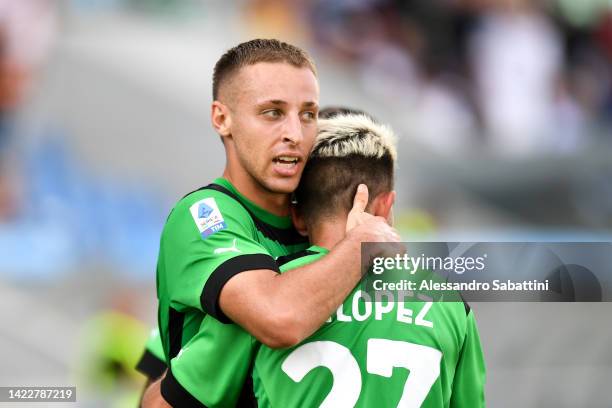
(286, 165)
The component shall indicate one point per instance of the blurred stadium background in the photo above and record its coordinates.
(504, 108)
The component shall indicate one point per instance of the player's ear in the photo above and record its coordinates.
(221, 118)
(298, 221)
(383, 205)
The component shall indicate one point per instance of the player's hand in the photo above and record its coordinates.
(366, 227)
(357, 215)
(384, 241)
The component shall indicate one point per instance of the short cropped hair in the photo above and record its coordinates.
(254, 51)
(349, 150)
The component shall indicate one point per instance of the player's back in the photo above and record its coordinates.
(376, 352)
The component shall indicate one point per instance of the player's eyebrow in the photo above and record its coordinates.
(310, 104)
(277, 102)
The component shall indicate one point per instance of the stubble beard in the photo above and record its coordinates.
(259, 179)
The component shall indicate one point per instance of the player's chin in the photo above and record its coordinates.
(283, 185)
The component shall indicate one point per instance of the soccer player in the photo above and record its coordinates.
(216, 273)
(152, 363)
(370, 353)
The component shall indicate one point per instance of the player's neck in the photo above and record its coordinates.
(274, 203)
(328, 233)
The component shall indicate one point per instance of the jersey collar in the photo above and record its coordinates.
(267, 217)
(318, 249)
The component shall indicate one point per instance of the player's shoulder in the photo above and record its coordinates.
(459, 308)
(206, 201)
(210, 210)
(454, 313)
(298, 259)
(218, 196)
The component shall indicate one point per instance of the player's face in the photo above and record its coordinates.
(273, 123)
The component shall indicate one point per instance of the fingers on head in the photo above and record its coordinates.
(361, 197)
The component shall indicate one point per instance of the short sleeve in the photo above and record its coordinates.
(469, 380)
(152, 363)
(208, 239)
(212, 369)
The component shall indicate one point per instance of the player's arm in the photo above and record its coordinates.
(469, 380)
(281, 310)
(265, 293)
(152, 397)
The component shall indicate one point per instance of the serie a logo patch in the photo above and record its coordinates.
(207, 217)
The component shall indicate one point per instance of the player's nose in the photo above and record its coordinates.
(292, 131)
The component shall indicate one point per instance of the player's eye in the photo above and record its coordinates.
(272, 113)
(308, 116)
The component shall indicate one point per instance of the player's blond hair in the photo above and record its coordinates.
(351, 134)
(349, 150)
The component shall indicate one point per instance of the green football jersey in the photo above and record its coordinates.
(381, 353)
(211, 235)
(153, 362)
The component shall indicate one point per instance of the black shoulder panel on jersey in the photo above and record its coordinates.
(287, 236)
(151, 366)
(466, 305)
(177, 396)
(281, 260)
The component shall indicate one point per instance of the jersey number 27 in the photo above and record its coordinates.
(382, 356)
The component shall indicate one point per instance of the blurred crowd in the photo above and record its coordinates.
(509, 100)
(512, 78)
(517, 77)
(51, 204)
